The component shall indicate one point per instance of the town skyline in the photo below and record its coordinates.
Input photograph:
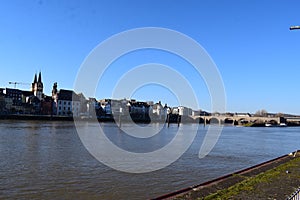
(37, 85)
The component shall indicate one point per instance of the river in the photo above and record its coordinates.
(46, 160)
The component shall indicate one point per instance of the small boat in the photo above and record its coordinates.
(269, 125)
(282, 125)
(275, 125)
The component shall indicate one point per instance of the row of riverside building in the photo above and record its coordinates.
(68, 103)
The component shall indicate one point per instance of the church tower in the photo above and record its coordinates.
(37, 86)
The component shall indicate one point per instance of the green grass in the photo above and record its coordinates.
(250, 183)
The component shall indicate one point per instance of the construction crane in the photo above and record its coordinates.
(15, 83)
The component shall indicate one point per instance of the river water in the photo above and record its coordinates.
(46, 160)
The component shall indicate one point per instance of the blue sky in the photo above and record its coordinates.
(249, 40)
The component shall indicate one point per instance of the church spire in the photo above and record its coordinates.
(35, 79)
(40, 77)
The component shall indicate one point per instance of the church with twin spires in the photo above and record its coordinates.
(37, 86)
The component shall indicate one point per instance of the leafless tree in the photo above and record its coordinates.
(261, 113)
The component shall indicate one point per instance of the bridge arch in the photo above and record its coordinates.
(243, 121)
(228, 121)
(214, 120)
(272, 121)
(201, 120)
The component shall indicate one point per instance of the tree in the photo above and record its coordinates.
(279, 114)
(261, 113)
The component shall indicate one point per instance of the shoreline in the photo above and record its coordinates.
(111, 119)
(35, 117)
(219, 186)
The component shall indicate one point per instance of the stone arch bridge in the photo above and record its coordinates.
(237, 119)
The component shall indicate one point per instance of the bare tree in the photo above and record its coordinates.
(261, 113)
(279, 114)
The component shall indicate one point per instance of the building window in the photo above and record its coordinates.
(64, 103)
(69, 103)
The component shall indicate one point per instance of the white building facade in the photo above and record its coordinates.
(184, 111)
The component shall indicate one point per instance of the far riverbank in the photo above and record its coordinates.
(171, 119)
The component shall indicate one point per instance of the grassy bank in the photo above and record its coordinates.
(276, 179)
(276, 183)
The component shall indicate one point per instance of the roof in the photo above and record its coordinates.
(139, 104)
(12, 90)
(68, 95)
(34, 99)
(156, 105)
(47, 98)
(27, 93)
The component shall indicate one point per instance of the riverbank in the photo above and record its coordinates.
(65, 118)
(35, 117)
(106, 118)
(274, 179)
(174, 119)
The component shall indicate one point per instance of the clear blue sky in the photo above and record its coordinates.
(249, 40)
